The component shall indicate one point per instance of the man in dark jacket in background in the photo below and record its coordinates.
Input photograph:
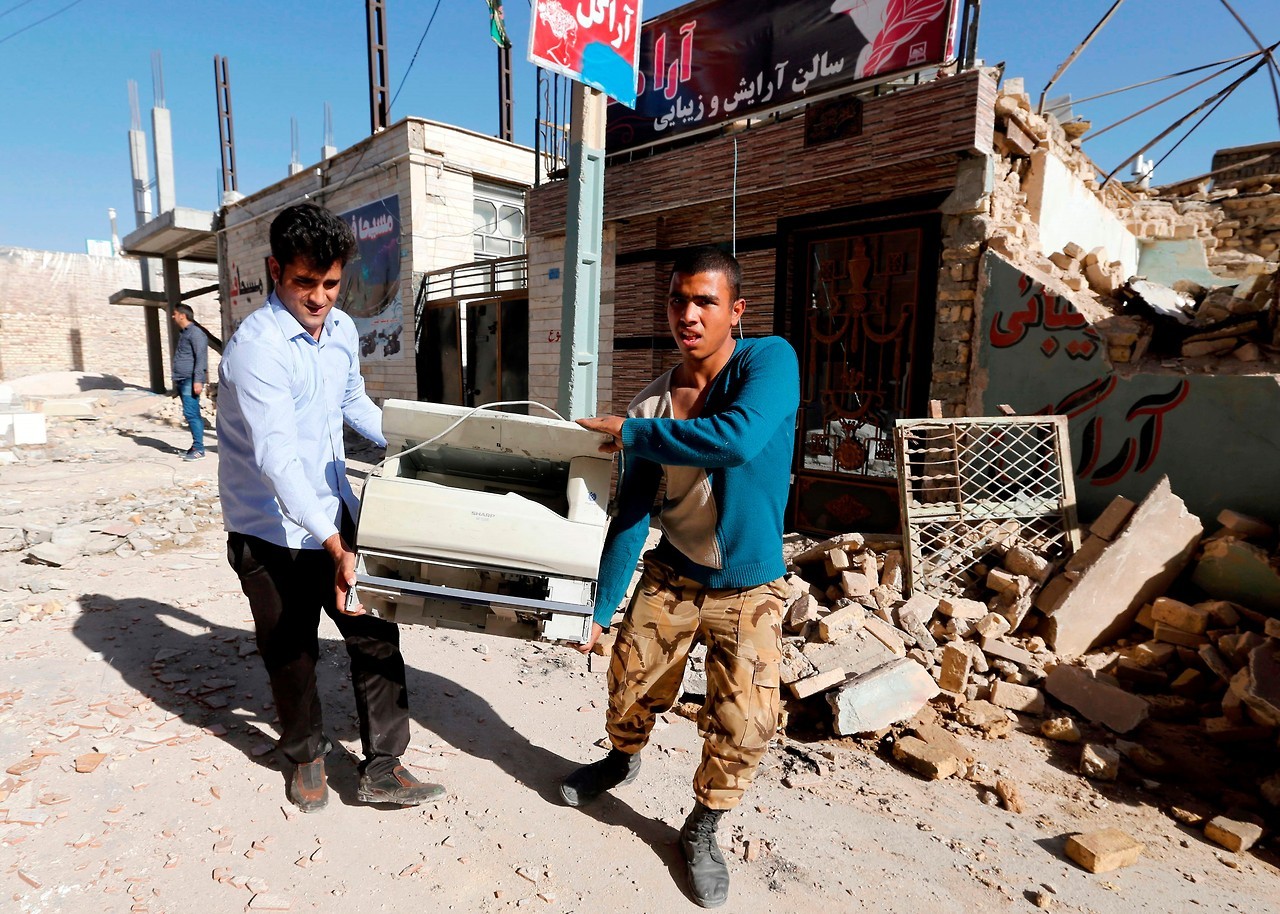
(190, 372)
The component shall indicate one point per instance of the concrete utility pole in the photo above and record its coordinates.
(379, 80)
(142, 215)
(580, 320)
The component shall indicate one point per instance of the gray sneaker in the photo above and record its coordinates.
(193, 454)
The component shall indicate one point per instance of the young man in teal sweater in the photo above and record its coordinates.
(720, 429)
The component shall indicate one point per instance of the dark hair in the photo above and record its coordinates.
(185, 311)
(313, 234)
(708, 259)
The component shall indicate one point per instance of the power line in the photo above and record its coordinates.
(16, 6)
(415, 55)
(38, 21)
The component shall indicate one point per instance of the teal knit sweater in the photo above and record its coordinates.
(743, 440)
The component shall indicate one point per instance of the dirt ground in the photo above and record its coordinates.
(147, 657)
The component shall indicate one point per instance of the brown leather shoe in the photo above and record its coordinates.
(307, 788)
(398, 787)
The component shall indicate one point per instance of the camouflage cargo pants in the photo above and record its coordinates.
(743, 633)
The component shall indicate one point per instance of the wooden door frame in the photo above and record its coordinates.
(920, 213)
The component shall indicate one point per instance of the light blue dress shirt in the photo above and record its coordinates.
(282, 399)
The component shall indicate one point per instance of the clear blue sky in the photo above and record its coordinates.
(65, 112)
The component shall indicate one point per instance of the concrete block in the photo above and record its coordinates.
(856, 585)
(1061, 729)
(1099, 763)
(956, 663)
(1223, 613)
(1234, 570)
(1090, 551)
(1258, 684)
(1167, 633)
(1234, 835)
(922, 606)
(842, 622)
(892, 693)
(23, 429)
(1105, 850)
(820, 552)
(835, 561)
(892, 575)
(1152, 654)
(1003, 650)
(927, 760)
(1113, 518)
(992, 625)
(820, 682)
(982, 715)
(1140, 564)
(887, 635)
(1245, 525)
(960, 608)
(1023, 561)
(1180, 615)
(795, 665)
(802, 612)
(1002, 581)
(1052, 594)
(1097, 700)
(856, 655)
(1015, 697)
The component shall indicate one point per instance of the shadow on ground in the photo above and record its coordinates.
(130, 634)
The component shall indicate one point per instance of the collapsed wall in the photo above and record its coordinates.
(1135, 315)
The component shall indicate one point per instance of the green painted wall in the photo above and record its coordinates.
(1217, 437)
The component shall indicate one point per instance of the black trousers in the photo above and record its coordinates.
(287, 588)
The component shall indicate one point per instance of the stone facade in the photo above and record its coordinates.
(55, 316)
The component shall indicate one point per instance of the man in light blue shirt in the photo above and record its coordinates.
(289, 378)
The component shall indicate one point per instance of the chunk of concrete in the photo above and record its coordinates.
(1234, 835)
(1194, 619)
(1113, 518)
(1101, 851)
(1099, 763)
(960, 608)
(1097, 700)
(1257, 684)
(812, 685)
(1016, 697)
(893, 693)
(926, 760)
(1023, 561)
(1138, 566)
(956, 663)
(1061, 729)
(1234, 570)
(841, 623)
(1245, 525)
(857, 654)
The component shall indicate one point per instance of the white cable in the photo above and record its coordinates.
(461, 419)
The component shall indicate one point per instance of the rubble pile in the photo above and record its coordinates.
(1084, 650)
(1190, 321)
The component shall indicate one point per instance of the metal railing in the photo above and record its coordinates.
(479, 279)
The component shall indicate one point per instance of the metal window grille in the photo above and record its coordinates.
(970, 487)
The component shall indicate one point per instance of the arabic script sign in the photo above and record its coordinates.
(721, 60)
(596, 42)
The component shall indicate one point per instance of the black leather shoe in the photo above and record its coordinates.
(397, 787)
(708, 873)
(308, 789)
(588, 782)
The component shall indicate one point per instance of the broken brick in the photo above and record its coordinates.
(1105, 850)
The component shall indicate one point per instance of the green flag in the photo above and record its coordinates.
(497, 26)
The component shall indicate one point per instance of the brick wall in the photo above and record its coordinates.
(55, 316)
(911, 144)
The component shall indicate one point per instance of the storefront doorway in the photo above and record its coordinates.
(862, 318)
